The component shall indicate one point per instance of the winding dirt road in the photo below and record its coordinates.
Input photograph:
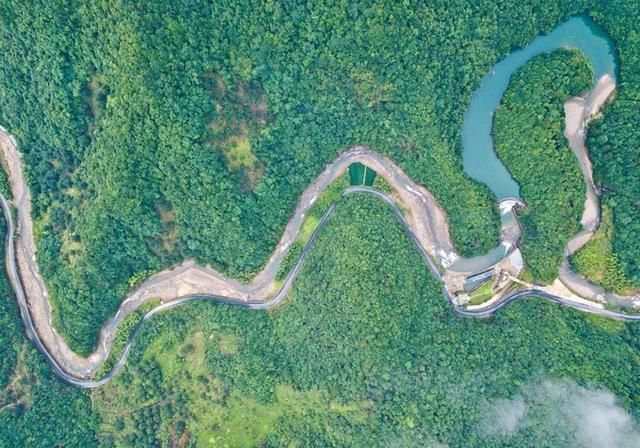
(427, 220)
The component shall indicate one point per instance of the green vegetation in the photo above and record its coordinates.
(597, 261)
(157, 131)
(311, 221)
(363, 363)
(482, 293)
(240, 112)
(36, 409)
(614, 142)
(381, 184)
(140, 123)
(528, 133)
(177, 134)
(123, 334)
(4, 187)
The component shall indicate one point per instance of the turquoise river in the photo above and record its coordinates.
(479, 158)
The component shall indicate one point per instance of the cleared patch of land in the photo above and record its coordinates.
(239, 115)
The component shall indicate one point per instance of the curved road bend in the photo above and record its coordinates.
(426, 218)
(425, 224)
(260, 305)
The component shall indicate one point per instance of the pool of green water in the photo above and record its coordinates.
(360, 174)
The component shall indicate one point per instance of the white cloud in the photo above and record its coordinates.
(593, 417)
(507, 416)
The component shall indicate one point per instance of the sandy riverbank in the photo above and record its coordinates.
(578, 112)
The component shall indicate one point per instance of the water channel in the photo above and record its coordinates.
(479, 158)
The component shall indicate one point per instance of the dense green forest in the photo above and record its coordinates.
(529, 139)
(363, 364)
(154, 132)
(599, 263)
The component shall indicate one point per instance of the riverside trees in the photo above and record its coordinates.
(529, 139)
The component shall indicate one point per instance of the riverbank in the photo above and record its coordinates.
(578, 112)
